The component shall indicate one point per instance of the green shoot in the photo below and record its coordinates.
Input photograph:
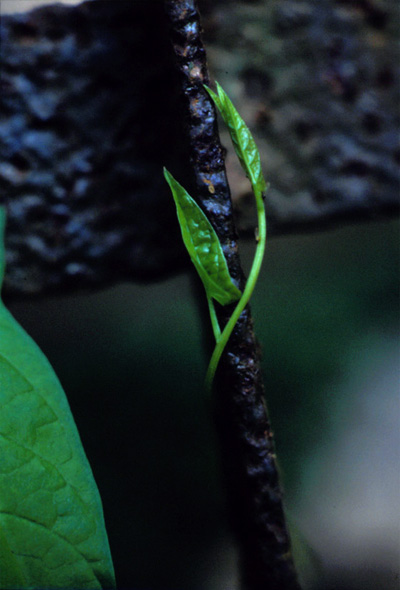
(249, 157)
(243, 142)
(202, 242)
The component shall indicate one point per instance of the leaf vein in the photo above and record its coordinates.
(55, 533)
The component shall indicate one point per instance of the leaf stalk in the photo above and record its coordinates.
(222, 339)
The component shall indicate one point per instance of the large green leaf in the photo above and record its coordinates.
(242, 139)
(52, 533)
(203, 245)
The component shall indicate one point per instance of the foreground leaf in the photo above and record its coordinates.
(203, 245)
(242, 139)
(52, 533)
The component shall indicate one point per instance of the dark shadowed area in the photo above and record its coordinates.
(131, 361)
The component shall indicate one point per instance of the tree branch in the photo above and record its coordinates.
(248, 456)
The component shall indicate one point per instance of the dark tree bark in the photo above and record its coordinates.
(88, 119)
(89, 116)
(319, 85)
(247, 448)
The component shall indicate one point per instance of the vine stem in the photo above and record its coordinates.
(214, 319)
(248, 460)
(223, 337)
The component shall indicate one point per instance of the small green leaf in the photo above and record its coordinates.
(242, 139)
(203, 245)
(52, 532)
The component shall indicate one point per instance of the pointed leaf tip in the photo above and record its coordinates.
(242, 139)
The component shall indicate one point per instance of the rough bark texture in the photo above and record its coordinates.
(88, 118)
(247, 446)
(319, 84)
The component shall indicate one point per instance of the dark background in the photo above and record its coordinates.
(131, 362)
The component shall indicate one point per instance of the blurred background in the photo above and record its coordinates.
(132, 363)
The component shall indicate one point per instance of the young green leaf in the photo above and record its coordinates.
(249, 157)
(52, 532)
(242, 139)
(203, 246)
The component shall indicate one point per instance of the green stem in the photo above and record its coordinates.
(214, 319)
(222, 340)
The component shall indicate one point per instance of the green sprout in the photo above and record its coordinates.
(202, 242)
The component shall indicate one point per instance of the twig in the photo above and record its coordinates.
(254, 495)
